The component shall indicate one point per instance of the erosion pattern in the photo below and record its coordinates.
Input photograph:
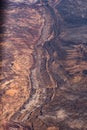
(44, 65)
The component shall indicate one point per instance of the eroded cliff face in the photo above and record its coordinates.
(43, 65)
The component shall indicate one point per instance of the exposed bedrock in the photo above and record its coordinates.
(40, 76)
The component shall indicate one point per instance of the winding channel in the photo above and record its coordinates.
(39, 69)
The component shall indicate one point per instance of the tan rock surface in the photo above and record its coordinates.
(17, 48)
(53, 128)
